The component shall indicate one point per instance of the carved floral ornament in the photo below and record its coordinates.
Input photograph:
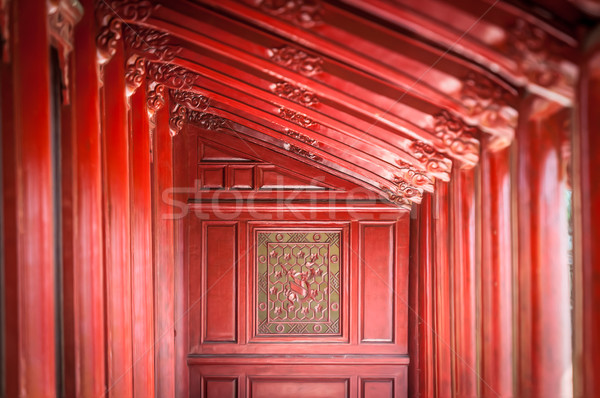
(296, 60)
(295, 93)
(304, 13)
(433, 161)
(536, 54)
(190, 107)
(457, 137)
(62, 18)
(111, 15)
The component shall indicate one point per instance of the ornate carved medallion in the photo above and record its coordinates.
(298, 281)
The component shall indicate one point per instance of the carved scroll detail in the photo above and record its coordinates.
(206, 120)
(190, 100)
(5, 29)
(413, 177)
(535, 53)
(135, 73)
(302, 152)
(295, 93)
(152, 43)
(301, 137)
(305, 13)
(298, 118)
(111, 15)
(61, 21)
(434, 161)
(155, 97)
(171, 75)
(297, 60)
(457, 136)
(487, 101)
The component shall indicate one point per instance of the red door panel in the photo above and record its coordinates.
(292, 303)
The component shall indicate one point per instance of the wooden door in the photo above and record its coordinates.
(290, 297)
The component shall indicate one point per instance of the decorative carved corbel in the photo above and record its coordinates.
(171, 75)
(188, 106)
(152, 44)
(207, 121)
(135, 73)
(537, 55)
(413, 177)
(111, 15)
(155, 98)
(296, 60)
(402, 194)
(62, 18)
(457, 137)
(305, 13)
(433, 161)
(5, 29)
(294, 93)
(489, 105)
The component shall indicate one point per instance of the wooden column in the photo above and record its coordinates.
(141, 248)
(425, 306)
(495, 292)
(587, 226)
(117, 229)
(88, 271)
(164, 255)
(29, 273)
(543, 346)
(440, 293)
(463, 282)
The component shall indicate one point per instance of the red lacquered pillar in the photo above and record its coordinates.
(117, 229)
(164, 255)
(88, 272)
(496, 278)
(29, 273)
(463, 283)
(587, 227)
(141, 248)
(543, 330)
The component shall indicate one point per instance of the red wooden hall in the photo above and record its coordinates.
(288, 198)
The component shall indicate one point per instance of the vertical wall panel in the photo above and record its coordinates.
(377, 388)
(220, 285)
(220, 387)
(378, 281)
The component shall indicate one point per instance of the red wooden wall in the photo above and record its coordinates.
(477, 118)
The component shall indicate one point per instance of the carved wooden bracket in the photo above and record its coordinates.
(489, 105)
(5, 29)
(62, 18)
(433, 161)
(111, 15)
(145, 44)
(458, 138)
(304, 13)
(187, 106)
(539, 58)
